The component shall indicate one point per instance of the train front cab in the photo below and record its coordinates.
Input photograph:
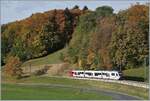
(114, 75)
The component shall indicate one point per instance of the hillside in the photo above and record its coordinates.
(49, 59)
(91, 40)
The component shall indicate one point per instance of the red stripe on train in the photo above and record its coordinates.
(71, 73)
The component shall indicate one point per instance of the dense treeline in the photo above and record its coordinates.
(104, 40)
(40, 34)
(100, 39)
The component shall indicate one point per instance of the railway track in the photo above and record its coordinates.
(125, 82)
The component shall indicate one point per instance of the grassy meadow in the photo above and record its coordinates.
(49, 59)
(17, 92)
(130, 90)
(137, 74)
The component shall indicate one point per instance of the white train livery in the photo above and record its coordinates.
(114, 75)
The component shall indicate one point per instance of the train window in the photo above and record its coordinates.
(116, 74)
(106, 74)
(113, 74)
(75, 73)
(80, 73)
(88, 74)
(103, 73)
(96, 74)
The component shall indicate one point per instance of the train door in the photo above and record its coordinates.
(105, 75)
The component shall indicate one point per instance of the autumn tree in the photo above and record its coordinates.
(104, 11)
(83, 59)
(50, 33)
(68, 29)
(85, 8)
(12, 67)
(4, 49)
(18, 49)
(8, 36)
(76, 7)
(73, 57)
(129, 43)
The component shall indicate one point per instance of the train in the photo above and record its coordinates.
(113, 75)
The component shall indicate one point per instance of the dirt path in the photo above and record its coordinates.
(113, 94)
(54, 69)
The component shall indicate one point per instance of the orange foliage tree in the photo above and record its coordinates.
(12, 67)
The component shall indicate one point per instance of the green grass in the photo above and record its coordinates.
(137, 72)
(54, 80)
(130, 90)
(19, 92)
(49, 59)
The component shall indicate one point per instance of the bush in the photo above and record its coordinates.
(41, 71)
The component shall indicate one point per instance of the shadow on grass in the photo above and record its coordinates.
(133, 78)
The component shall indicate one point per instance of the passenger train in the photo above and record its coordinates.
(114, 75)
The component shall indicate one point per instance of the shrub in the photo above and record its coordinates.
(41, 71)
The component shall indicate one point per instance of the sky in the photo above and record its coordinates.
(12, 10)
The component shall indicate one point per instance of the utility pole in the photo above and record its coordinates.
(145, 69)
(30, 67)
(120, 67)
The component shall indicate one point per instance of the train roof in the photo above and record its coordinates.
(95, 71)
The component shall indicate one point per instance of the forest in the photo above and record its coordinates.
(95, 40)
